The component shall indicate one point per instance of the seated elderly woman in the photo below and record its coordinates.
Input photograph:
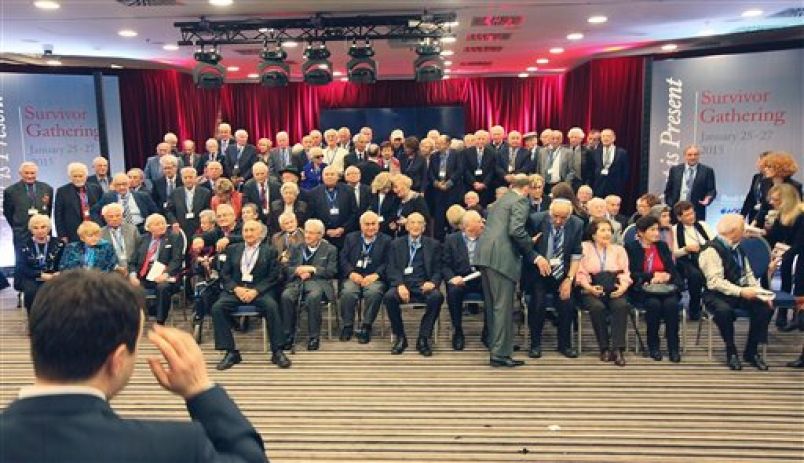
(90, 251)
(225, 193)
(37, 259)
(311, 174)
(289, 236)
(383, 202)
(656, 285)
(289, 202)
(157, 263)
(604, 277)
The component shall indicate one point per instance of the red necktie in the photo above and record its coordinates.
(263, 198)
(82, 194)
(148, 257)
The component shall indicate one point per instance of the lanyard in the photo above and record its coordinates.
(248, 261)
(559, 233)
(41, 254)
(368, 247)
(412, 253)
(602, 259)
(306, 256)
(331, 198)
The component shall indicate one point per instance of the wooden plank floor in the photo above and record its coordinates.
(350, 402)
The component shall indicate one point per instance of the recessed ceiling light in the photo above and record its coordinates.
(344, 79)
(290, 44)
(448, 39)
(669, 47)
(53, 62)
(128, 33)
(47, 5)
(337, 73)
(262, 30)
(115, 66)
(752, 13)
(220, 2)
(447, 71)
(233, 68)
(446, 77)
(523, 75)
(614, 48)
(574, 36)
(532, 69)
(447, 63)
(447, 52)
(542, 61)
(253, 76)
(556, 50)
(706, 33)
(597, 19)
(170, 47)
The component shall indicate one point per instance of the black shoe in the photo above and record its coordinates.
(757, 362)
(795, 324)
(458, 341)
(674, 356)
(346, 334)
(279, 359)
(505, 362)
(569, 352)
(733, 361)
(619, 358)
(423, 346)
(656, 354)
(229, 360)
(313, 343)
(535, 351)
(198, 328)
(289, 343)
(364, 335)
(400, 345)
(605, 355)
(797, 363)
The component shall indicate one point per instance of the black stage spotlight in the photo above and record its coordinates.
(361, 69)
(317, 69)
(273, 70)
(208, 73)
(429, 66)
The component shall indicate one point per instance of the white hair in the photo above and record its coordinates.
(730, 222)
(168, 159)
(314, 225)
(28, 164)
(368, 215)
(75, 166)
(241, 133)
(112, 207)
(153, 218)
(575, 131)
(186, 170)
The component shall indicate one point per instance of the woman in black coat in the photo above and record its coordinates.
(651, 262)
(38, 258)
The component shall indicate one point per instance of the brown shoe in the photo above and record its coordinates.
(604, 355)
(619, 358)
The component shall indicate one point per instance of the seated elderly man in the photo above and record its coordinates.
(458, 264)
(584, 194)
(311, 267)
(121, 234)
(248, 276)
(227, 231)
(414, 275)
(157, 263)
(730, 285)
(137, 180)
(362, 263)
(334, 203)
(136, 204)
(596, 207)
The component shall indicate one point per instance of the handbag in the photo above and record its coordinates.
(606, 280)
(660, 289)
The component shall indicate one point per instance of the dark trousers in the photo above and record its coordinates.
(433, 300)
(614, 309)
(658, 308)
(29, 289)
(204, 300)
(695, 284)
(164, 291)
(723, 311)
(222, 320)
(312, 295)
(455, 297)
(351, 294)
(536, 312)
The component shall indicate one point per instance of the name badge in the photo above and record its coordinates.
(555, 262)
(86, 213)
(478, 171)
(361, 264)
(247, 278)
(189, 215)
(510, 169)
(442, 175)
(222, 258)
(757, 207)
(265, 211)
(164, 205)
(604, 172)
(334, 211)
(550, 172)
(380, 219)
(408, 270)
(32, 211)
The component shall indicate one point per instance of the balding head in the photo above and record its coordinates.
(731, 227)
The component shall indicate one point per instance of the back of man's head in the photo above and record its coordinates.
(78, 319)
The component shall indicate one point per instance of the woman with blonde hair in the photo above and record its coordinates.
(383, 202)
(785, 233)
(409, 202)
(37, 259)
(90, 251)
(778, 167)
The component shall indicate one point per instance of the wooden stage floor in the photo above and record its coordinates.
(351, 402)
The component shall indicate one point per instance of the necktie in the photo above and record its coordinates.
(126, 209)
(511, 159)
(149, 256)
(285, 156)
(119, 244)
(82, 195)
(263, 197)
(357, 195)
(688, 183)
(31, 193)
(169, 187)
(558, 253)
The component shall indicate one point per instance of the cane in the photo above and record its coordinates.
(636, 332)
(296, 316)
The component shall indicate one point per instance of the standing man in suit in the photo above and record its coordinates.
(413, 164)
(153, 166)
(212, 154)
(311, 267)
(137, 180)
(345, 139)
(192, 159)
(24, 199)
(261, 190)
(458, 262)
(501, 247)
(582, 163)
(101, 178)
(240, 156)
(514, 159)
(136, 204)
(283, 156)
(358, 153)
(361, 192)
(611, 165)
(164, 186)
(363, 262)
(498, 144)
(121, 234)
(224, 138)
(556, 163)
(186, 203)
(691, 181)
(74, 202)
(414, 275)
(445, 175)
(558, 252)
(480, 168)
(249, 276)
(334, 203)
(84, 330)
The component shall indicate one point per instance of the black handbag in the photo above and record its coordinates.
(606, 280)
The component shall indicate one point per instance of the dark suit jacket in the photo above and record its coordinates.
(298, 160)
(74, 428)
(67, 208)
(417, 204)
(170, 254)
(636, 264)
(94, 179)
(325, 261)
(221, 149)
(300, 208)
(368, 171)
(400, 254)
(244, 161)
(522, 163)
(702, 186)
(455, 257)
(265, 273)
(454, 171)
(365, 198)
(352, 251)
(540, 222)
(344, 201)
(27, 265)
(176, 210)
(583, 165)
(159, 191)
(390, 204)
(251, 194)
(16, 203)
(211, 237)
(144, 203)
(488, 167)
(199, 161)
(415, 167)
(210, 157)
(498, 149)
(612, 183)
(753, 199)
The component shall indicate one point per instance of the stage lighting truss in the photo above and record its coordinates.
(273, 70)
(317, 68)
(429, 66)
(208, 73)
(361, 69)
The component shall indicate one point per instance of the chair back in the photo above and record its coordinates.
(630, 233)
(758, 252)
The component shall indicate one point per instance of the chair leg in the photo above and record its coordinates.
(329, 320)
(265, 335)
(19, 299)
(636, 324)
(709, 338)
(683, 330)
(580, 331)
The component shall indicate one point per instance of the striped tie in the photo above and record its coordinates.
(558, 253)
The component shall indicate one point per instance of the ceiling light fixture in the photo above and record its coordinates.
(574, 36)
(597, 19)
(53, 62)
(116, 66)
(449, 39)
(447, 63)
(47, 5)
(170, 47)
(208, 73)
(317, 69)
(542, 61)
(253, 75)
(446, 77)
(220, 2)
(290, 44)
(447, 71)
(273, 70)
(447, 53)
(532, 69)
(361, 68)
(556, 50)
(522, 75)
(344, 79)
(233, 68)
(706, 33)
(669, 47)
(127, 33)
(453, 24)
(752, 13)
(429, 66)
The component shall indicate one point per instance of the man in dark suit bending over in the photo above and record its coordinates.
(691, 181)
(84, 330)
